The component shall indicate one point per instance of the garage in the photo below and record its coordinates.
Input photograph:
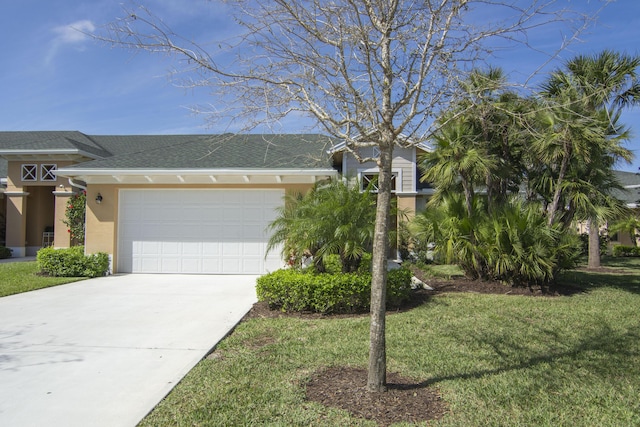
(196, 231)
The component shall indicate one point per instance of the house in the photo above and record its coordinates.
(630, 195)
(173, 203)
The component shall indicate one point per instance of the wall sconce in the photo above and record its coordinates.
(99, 198)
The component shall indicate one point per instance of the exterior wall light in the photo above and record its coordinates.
(99, 198)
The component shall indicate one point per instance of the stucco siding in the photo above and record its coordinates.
(14, 175)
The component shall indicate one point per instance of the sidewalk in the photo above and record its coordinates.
(23, 259)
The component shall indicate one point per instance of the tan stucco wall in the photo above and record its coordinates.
(14, 174)
(62, 238)
(3, 215)
(102, 219)
(406, 206)
(16, 222)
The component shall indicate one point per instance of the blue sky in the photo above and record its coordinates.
(55, 78)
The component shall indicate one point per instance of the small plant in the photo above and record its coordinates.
(5, 252)
(75, 216)
(72, 262)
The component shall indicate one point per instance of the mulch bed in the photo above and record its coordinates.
(405, 400)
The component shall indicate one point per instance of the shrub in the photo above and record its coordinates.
(626, 251)
(513, 244)
(75, 216)
(333, 264)
(5, 252)
(292, 290)
(72, 262)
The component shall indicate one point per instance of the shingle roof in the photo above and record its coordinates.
(212, 152)
(222, 151)
(631, 182)
(47, 141)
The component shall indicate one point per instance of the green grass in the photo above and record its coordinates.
(18, 277)
(446, 271)
(497, 361)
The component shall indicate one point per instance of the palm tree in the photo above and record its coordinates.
(332, 218)
(585, 136)
(457, 160)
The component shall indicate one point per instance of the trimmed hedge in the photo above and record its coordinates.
(5, 252)
(292, 290)
(624, 251)
(72, 262)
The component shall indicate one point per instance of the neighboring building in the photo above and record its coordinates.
(173, 203)
(630, 195)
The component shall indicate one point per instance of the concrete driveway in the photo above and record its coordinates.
(104, 352)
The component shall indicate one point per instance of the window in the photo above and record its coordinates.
(372, 178)
(48, 172)
(29, 172)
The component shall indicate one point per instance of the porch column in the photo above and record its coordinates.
(17, 222)
(61, 235)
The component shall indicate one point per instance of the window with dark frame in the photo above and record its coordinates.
(29, 172)
(372, 178)
(48, 172)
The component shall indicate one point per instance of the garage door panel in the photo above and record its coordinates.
(191, 264)
(170, 248)
(254, 249)
(150, 248)
(232, 266)
(211, 249)
(251, 265)
(196, 231)
(253, 232)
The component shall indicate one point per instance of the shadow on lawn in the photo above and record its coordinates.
(623, 279)
(616, 347)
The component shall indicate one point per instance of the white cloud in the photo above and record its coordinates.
(73, 34)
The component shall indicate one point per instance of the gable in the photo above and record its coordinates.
(403, 166)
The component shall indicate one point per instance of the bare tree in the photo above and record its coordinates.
(373, 73)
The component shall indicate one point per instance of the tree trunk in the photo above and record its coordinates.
(468, 196)
(377, 374)
(594, 244)
(553, 208)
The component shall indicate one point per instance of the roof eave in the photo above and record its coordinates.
(342, 146)
(69, 172)
(198, 176)
(21, 152)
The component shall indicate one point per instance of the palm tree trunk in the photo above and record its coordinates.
(594, 244)
(553, 208)
(468, 196)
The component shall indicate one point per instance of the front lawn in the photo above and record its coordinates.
(499, 360)
(17, 277)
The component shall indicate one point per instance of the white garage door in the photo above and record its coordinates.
(196, 231)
